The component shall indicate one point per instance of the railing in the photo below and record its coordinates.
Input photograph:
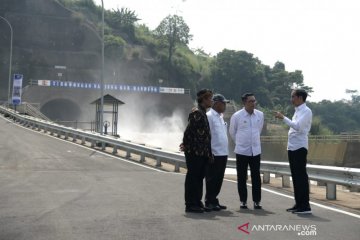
(320, 138)
(331, 176)
(87, 126)
(33, 111)
(324, 175)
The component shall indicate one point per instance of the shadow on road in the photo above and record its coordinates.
(258, 212)
(210, 215)
(312, 217)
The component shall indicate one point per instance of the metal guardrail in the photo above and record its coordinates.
(325, 175)
(329, 175)
(317, 138)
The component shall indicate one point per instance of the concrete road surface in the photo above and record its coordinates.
(52, 189)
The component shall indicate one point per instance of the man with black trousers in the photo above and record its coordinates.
(220, 150)
(245, 129)
(197, 147)
(297, 149)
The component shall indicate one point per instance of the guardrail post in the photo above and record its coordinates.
(93, 143)
(177, 167)
(74, 137)
(331, 191)
(103, 146)
(66, 136)
(285, 181)
(158, 162)
(142, 158)
(266, 177)
(128, 154)
(38, 127)
(83, 141)
(114, 150)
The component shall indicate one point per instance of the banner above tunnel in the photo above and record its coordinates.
(115, 87)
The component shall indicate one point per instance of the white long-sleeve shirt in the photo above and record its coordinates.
(299, 128)
(245, 130)
(218, 130)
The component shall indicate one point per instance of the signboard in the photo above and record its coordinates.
(17, 86)
(172, 90)
(114, 87)
(44, 83)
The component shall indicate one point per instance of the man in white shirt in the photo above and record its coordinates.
(297, 150)
(219, 147)
(245, 129)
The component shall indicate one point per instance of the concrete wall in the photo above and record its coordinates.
(46, 34)
(342, 154)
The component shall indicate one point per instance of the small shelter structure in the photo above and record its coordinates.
(114, 103)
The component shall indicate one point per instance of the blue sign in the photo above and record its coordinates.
(114, 87)
(17, 87)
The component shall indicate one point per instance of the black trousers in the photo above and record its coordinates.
(242, 163)
(297, 161)
(214, 178)
(196, 167)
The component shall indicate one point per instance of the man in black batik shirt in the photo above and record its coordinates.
(197, 147)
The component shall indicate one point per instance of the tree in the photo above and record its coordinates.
(346, 119)
(123, 20)
(173, 31)
(355, 97)
(237, 72)
(280, 83)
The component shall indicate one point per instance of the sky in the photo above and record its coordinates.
(319, 37)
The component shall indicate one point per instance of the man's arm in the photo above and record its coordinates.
(233, 128)
(298, 124)
(261, 125)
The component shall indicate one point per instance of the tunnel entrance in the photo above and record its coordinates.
(61, 110)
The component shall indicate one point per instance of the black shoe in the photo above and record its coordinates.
(303, 211)
(194, 209)
(257, 205)
(222, 206)
(292, 209)
(206, 209)
(213, 207)
(243, 205)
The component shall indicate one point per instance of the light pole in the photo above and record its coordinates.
(10, 62)
(102, 72)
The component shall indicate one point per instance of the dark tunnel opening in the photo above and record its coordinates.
(61, 110)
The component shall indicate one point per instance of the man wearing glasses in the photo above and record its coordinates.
(245, 129)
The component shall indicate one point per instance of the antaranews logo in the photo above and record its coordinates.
(301, 230)
(244, 228)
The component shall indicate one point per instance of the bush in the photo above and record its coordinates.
(114, 47)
